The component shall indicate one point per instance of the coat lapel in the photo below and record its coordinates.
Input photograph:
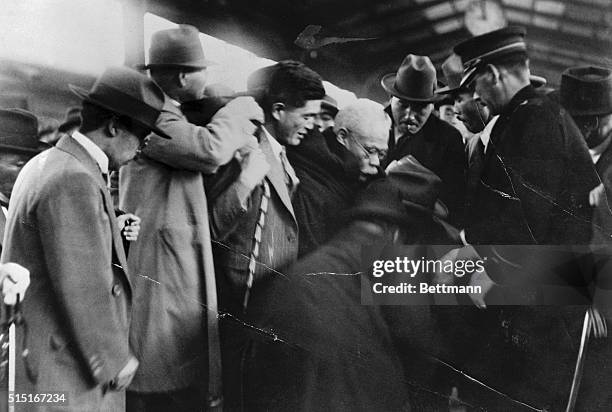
(71, 146)
(276, 174)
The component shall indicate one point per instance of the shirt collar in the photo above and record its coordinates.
(93, 150)
(597, 151)
(485, 135)
(277, 148)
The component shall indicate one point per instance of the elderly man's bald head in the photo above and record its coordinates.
(363, 127)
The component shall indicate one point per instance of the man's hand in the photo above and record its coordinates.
(246, 108)
(125, 375)
(597, 196)
(129, 232)
(598, 323)
(15, 280)
(486, 284)
(254, 168)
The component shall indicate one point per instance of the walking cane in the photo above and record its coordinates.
(584, 340)
(12, 314)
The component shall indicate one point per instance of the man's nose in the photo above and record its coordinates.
(318, 122)
(310, 123)
(374, 159)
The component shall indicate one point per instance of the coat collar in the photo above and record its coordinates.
(69, 145)
(526, 93)
(275, 174)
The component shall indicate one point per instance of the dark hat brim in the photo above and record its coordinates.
(84, 95)
(21, 149)
(449, 90)
(388, 83)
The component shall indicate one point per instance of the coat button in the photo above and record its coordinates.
(116, 291)
(290, 238)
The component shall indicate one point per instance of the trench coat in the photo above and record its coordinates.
(165, 188)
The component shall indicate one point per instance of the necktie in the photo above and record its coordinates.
(291, 180)
(261, 220)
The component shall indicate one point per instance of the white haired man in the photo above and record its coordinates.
(363, 128)
(333, 169)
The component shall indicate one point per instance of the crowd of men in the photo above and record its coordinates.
(193, 248)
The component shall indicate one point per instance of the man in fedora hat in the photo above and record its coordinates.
(61, 226)
(169, 334)
(433, 142)
(586, 93)
(18, 144)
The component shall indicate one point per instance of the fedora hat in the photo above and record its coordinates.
(19, 131)
(408, 194)
(452, 68)
(180, 47)
(126, 92)
(415, 80)
(587, 90)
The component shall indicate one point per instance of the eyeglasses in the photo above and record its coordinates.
(369, 151)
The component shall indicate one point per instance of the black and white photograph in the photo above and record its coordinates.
(308, 205)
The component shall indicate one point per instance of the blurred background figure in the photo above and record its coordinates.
(329, 110)
(446, 111)
(48, 130)
(586, 93)
(18, 144)
(72, 121)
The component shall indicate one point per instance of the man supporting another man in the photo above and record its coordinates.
(165, 187)
(62, 227)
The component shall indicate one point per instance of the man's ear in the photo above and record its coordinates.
(494, 71)
(342, 136)
(181, 79)
(112, 128)
(277, 108)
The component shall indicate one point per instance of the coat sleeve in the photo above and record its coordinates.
(76, 238)
(197, 148)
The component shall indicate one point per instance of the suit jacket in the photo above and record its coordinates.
(62, 227)
(439, 147)
(233, 226)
